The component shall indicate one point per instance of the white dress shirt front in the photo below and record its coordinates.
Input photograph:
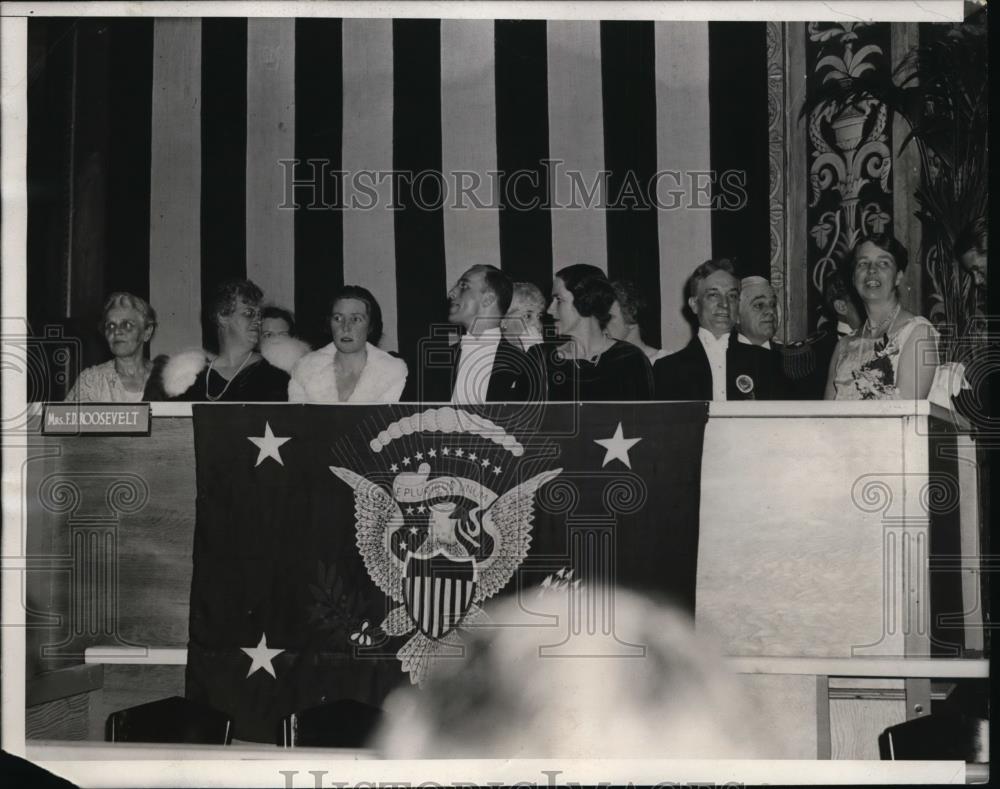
(475, 367)
(715, 349)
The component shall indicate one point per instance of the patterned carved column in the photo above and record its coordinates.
(850, 171)
(905, 182)
(787, 169)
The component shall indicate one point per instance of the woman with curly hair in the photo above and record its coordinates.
(127, 323)
(238, 372)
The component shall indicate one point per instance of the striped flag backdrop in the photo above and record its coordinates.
(305, 154)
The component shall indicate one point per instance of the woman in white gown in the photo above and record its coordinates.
(893, 356)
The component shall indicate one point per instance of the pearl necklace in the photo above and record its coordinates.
(884, 325)
(226, 387)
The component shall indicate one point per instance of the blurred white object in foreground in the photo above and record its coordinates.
(664, 693)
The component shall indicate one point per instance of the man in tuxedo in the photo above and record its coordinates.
(711, 366)
(479, 365)
(758, 323)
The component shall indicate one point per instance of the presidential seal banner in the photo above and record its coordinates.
(342, 550)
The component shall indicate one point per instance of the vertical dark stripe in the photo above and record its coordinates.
(319, 227)
(739, 143)
(131, 111)
(522, 147)
(50, 112)
(419, 220)
(628, 79)
(91, 155)
(223, 155)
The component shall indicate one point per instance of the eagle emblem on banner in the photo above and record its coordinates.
(440, 540)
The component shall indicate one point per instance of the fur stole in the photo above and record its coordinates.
(181, 370)
(314, 381)
(283, 352)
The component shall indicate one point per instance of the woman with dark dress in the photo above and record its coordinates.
(238, 373)
(586, 364)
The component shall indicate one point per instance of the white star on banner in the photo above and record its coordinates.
(485, 463)
(617, 446)
(419, 456)
(268, 445)
(432, 453)
(262, 656)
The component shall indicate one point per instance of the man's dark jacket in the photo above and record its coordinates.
(687, 374)
(515, 377)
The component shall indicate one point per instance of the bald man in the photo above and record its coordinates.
(757, 324)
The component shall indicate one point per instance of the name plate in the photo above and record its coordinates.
(120, 419)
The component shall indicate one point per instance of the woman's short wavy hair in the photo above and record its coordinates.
(273, 312)
(886, 242)
(374, 311)
(121, 298)
(223, 301)
(632, 303)
(592, 293)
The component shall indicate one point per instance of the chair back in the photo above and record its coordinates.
(174, 719)
(345, 723)
(938, 737)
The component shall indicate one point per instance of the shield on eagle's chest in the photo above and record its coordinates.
(438, 592)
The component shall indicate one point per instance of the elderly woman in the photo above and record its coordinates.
(352, 368)
(893, 356)
(128, 323)
(238, 373)
(522, 324)
(625, 314)
(589, 365)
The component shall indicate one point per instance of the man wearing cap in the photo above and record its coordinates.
(710, 366)
(757, 325)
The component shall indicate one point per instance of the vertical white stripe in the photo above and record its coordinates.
(415, 597)
(682, 134)
(270, 140)
(439, 613)
(175, 185)
(14, 153)
(468, 145)
(576, 137)
(449, 605)
(426, 590)
(369, 230)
